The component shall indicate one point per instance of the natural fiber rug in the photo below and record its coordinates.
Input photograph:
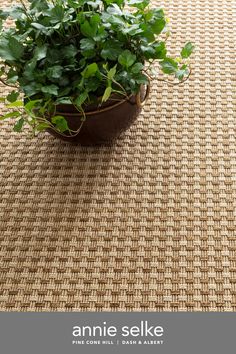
(148, 224)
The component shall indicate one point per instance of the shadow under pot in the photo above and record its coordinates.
(101, 125)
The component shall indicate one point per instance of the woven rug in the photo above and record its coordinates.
(148, 224)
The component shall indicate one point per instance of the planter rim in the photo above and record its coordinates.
(98, 111)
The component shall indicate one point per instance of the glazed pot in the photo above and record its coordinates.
(101, 124)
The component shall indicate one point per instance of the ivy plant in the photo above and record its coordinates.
(78, 52)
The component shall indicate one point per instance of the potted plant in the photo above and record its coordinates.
(81, 69)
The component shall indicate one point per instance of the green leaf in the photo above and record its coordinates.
(50, 89)
(112, 19)
(12, 76)
(95, 20)
(88, 30)
(55, 72)
(5, 52)
(30, 105)
(158, 25)
(39, 5)
(87, 47)
(11, 49)
(19, 125)
(14, 114)
(63, 100)
(60, 123)
(111, 50)
(2, 99)
(169, 66)
(158, 21)
(140, 78)
(90, 70)
(4, 14)
(160, 50)
(12, 97)
(42, 126)
(81, 99)
(137, 68)
(132, 30)
(15, 104)
(140, 4)
(57, 14)
(182, 72)
(92, 84)
(40, 27)
(31, 89)
(118, 2)
(87, 44)
(127, 59)
(40, 52)
(74, 3)
(154, 51)
(148, 51)
(114, 10)
(148, 34)
(107, 94)
(16, 48)
(111, 73)
(187, 50)
(95, 3)
(69, 51)
(30, 69)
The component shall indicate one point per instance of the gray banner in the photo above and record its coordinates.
(165, 333)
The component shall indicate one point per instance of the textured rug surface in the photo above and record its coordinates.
(148, 224)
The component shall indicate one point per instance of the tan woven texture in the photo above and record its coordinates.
(147, 224)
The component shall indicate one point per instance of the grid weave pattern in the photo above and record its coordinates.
(147, 224)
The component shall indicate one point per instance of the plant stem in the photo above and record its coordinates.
(26, 10)
(176, 83)
(4, 83)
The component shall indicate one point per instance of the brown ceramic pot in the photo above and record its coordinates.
(103, 124)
